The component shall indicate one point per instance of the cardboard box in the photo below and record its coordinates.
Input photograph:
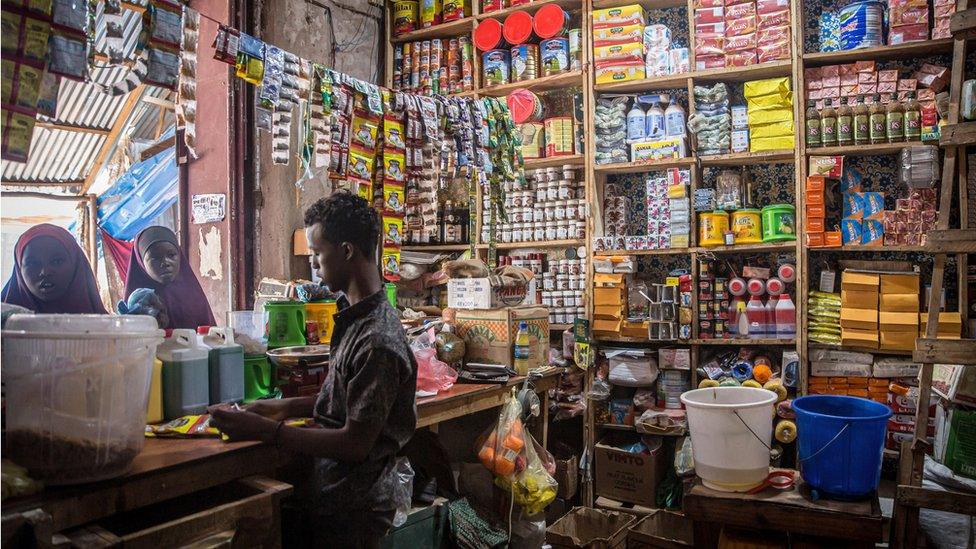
(300, 243)
(604, 326)
(950, 325)
(862, 339)
(858, 281)
(858, 319)
(898, 340)
(859, 300)
(899, 303)
(955, 383)
(611, 312)
(601, 280)
(608, 296)
(626, 476)
(590, 528)
(478, 293)
(567, 475)
(898, 322)
(954, 443)
(489, 335)
(900, 283)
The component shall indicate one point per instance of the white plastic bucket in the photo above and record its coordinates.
(731, 429)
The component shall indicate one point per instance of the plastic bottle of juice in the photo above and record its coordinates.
(845, 124)
(862, 122)
(785, 318)
(896, 120)
(879, 122)
(813, 125)
(522, 349)
(828, 124)
(913, 119)
(756, 312)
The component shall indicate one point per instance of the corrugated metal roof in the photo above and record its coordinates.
(55, 156)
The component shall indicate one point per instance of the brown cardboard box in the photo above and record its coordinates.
(567, 476)
(608, 312)
(899, 303)
(300, 243)
(606, 326)
(606, 279)
(489, 335)
(898, 340)
(955, 383)
(900, 283)
(950, 325)
(608, 296)
(585, 527)
(634, 329)
(628, 477)
(858, 319)
(863, 339)
(860, 282)
(898, 322)
(858, 300)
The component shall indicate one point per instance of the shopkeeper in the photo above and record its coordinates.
(159, 264)
(51, 274)
(366, 404)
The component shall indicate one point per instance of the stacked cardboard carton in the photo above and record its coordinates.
(609, 301)
(899, 311)
(950, 325)
(817, 235)
(859, 309)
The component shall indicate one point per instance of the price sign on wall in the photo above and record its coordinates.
(208, 208)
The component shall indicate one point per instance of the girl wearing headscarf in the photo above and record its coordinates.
(51, 274)
(158, 263)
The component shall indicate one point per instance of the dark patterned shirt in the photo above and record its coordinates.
(372, 378)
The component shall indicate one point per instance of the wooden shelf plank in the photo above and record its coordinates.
(788, 246)
(945, 351)
(749, 158)
(531, 8)
(878, 149)
(444, 30)
(829, 347)
(963, 133)
(642, 340)
(665, 251)
(858, 248)
(560, 327)
(962, 25)
(911, 50)
(951, 241)
(543, 84)
(554, 161)
(544, 244)
(647, 4)
(435, 247)
(746, 342)
(743, 74)
(643, 167)
(669, 82)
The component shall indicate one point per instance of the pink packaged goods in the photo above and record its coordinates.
(773, 51)
(867, 78)
(740, 26)
(709, 62)
(812, 78)
(709, 45)
(741, 58)
(908, 16)
(848, 91)
(887, 87)
(710, 28)
(737, 11)
(739, 43)
(772, 35)
(773, 19)
(698, 4)
(907, 84)
(709, 15)
(772, 6)
(908, 33)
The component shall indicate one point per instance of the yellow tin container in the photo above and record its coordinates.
(405, 16)
(533, 140)
(321, 312)
(747, 226)
(712, 227)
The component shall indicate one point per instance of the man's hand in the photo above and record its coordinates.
(241, 424)
(277, 409)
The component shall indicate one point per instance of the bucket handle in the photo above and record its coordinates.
(801, 459)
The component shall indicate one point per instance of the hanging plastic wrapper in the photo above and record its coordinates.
(402, 491)
(186, 94)
(114, 32)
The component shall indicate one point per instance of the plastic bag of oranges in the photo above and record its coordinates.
(502, 451)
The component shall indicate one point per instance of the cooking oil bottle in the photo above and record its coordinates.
(879, 121)
(813, 125)
(896, 120)
(862, 122)
(845, 124)
(828, 124)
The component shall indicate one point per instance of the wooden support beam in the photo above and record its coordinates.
(159, 102)
(121, 122)
(962, 25)
(945, 351)
(71, 128)
(134, 7)
(157, 148)
(951, 241)
(46, 196)
(948, 501)
(963, 133)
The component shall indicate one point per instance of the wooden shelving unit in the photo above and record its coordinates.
(555, 161)
(435, 247)
(572, 79)
(749, 158)
(877, 149)
(926, 48)
(445, 30)
(644, 167)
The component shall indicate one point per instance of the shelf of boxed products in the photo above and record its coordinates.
(641, 340)
(660, 251)
(910, 50)
(868, 249)
(761, 71)
(644, 166)
(667, 82)
(646, 4)
(554, 161)
(876, 149)
(435, 247)
(829, 347)
(444, 30)
(788, 246)
(530, 8)
(746, 342)
(572, 243)
(543, 84)
(786, 156)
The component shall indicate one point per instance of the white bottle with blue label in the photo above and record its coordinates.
(655, 122)
(635, 124)
(674, 120)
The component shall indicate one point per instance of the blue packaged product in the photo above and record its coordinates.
(829, 31)
(853, 207)
(850, 230)
(496, 67)
(862, 25)
(873, 204)
(872, 232)
(851, 179)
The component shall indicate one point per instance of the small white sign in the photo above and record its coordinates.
(209, 208)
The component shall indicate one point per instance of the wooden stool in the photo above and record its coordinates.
(792, 510)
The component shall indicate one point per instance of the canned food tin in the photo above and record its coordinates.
(554, 55)
(575, 49)
(560, 210)
(562, 230)
(580, 229)
(525, 62)
(562, 282)
(550, 231)
(496, 67)
(312, 332)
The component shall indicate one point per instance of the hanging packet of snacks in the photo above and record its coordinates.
(226, 44)
(24, 44)
(321, 123)
(164, 19)
(186, 94)
(250, 59)
(394, 176)
(281, 134)
(114, 31)
(68, 45)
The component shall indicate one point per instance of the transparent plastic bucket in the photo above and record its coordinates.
(76, 393)
(731, 429)
(249, 330)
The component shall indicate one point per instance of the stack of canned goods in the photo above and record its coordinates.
(434, 66)
(550, 206)
(560, 283)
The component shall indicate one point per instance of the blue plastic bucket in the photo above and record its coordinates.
(841, 440)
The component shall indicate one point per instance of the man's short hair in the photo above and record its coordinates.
(346, 217)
